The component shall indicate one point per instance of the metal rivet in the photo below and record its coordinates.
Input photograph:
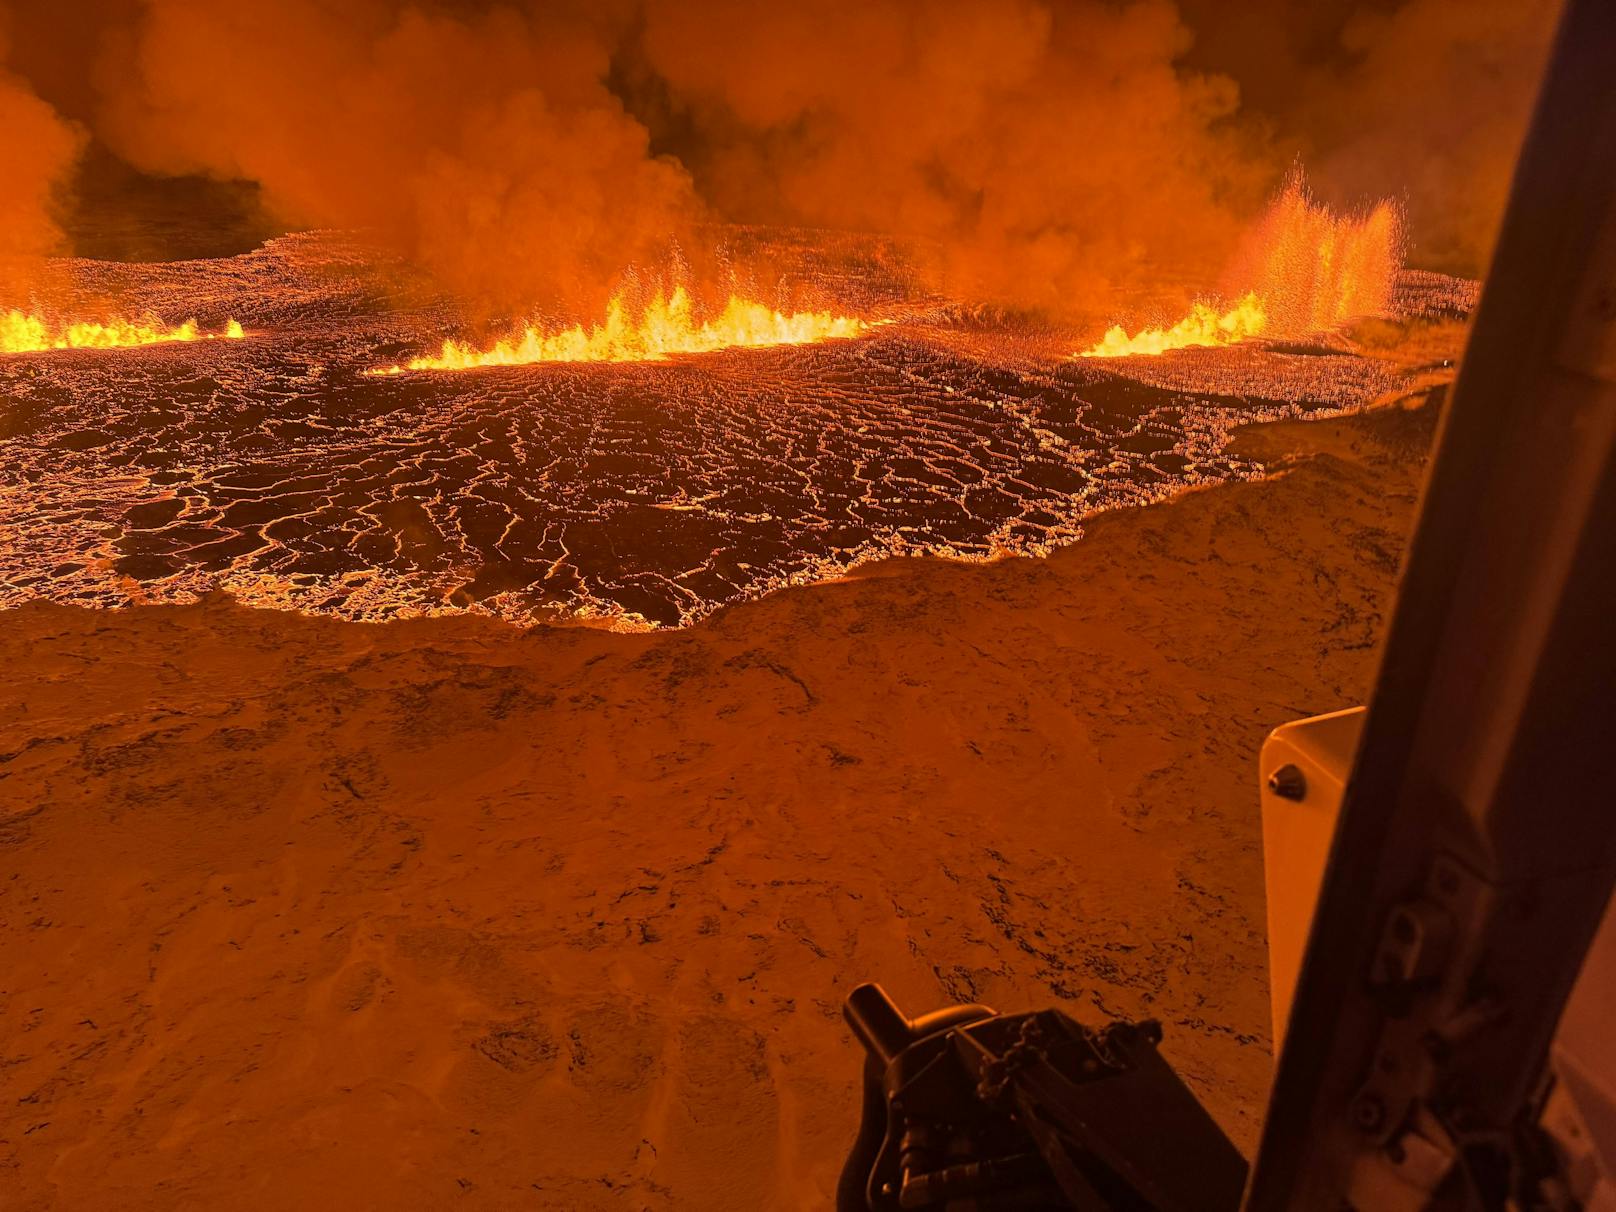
(1288, 782)
(1368, 1112)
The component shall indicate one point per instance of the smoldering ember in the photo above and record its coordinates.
(544, 543)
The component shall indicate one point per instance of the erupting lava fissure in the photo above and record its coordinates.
(270, 469)
(1302, 270)
(24, 333)
(1205, 325)
(666, 327)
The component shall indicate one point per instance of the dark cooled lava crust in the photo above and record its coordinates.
(652, 493)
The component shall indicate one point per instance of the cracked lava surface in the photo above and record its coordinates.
(633, 495)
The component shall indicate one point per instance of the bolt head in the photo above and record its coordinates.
(1369, 1113)
(1288, 782)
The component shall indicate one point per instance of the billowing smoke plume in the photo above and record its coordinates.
(483, 143)
(37, 151)
(1047, 152)
(1433, 103)
(1423, 100)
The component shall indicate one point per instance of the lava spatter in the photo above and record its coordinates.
(1302, 270)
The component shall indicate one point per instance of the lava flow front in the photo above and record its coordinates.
(21, 332)
(666, 327)
(1302, 270)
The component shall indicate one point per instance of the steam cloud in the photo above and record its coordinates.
(1044, 152)
(36, 154)
(487, 145)
(1423, 100)
(1433, 104)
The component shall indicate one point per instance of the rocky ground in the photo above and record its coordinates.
(298, 912)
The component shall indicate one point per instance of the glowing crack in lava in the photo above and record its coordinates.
(623, 496)
(24, 333)
(666, 327)
(1302, 270)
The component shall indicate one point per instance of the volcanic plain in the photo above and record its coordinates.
(640, 495)
(326, 879)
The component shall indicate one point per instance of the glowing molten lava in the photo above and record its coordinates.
(24, 333)
(1205, 325)
(1301, 270)
(666, 327)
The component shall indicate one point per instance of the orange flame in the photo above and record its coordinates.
(1205, 325)
(24, 333)
(1303, 270)
(666, 327)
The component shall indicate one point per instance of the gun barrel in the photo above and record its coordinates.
(877, 1021)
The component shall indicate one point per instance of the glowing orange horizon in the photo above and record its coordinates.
(1303, 270)
(21, 332)
(666, 327)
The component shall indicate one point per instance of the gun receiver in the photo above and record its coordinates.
(968, 1109)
